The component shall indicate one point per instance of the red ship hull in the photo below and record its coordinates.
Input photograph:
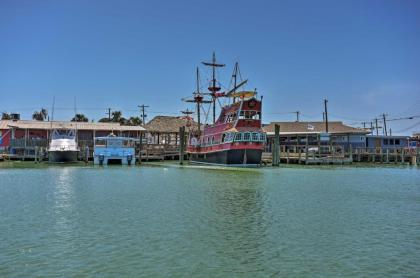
(239, 157)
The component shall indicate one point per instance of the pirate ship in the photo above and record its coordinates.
(235, 138)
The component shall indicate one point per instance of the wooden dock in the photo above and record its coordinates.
(336, 155)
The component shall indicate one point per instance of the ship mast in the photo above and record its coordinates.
(198, 100)
(213, 88)
(197, 92)
(235, 75)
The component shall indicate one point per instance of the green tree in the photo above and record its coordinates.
(80, 118)
(40, 115)
(104, 120)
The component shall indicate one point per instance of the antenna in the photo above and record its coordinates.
(297, 115)
(52, 114)
(75, 117)
(326, 115)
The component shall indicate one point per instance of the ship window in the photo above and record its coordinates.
(247, 115)
(238, 136)
(255, 136)
(231, 136)
(263, 137)
(397, 141)
(212, 140)
(247, 136)
(224, 137)
(391, 141)
(385, 141)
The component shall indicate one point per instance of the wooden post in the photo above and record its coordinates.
(140, 146)
(299, 155)
(86, 154)
(319, 146)
(381, 154)
(351, 153)
(276, 148)
(402, 156)
(387, 156)
(417, 154)
(306, 149)
(288, 156)
(181, 144)
(36, 154)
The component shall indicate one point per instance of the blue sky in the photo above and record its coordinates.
(363, 56)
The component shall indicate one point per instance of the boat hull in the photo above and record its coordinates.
(62, 156)
(235, 157)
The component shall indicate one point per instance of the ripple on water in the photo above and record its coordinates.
(169, 221)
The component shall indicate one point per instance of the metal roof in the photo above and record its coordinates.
(25, 124)
(313, 128)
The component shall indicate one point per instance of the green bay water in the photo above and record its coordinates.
(183, 222)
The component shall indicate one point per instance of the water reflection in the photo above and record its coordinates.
(241, 220)
(63, 208)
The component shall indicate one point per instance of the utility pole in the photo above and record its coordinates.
(376, 125)
(109, 114)
(326, 115)
(385, 130)
(297, 115)
(143, 114)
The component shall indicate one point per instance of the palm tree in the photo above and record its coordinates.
(80, 118)
(116, 116)
(134, 121)
(40, 115)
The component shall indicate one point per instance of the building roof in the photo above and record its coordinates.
(313, 128)
(24, 124)
(167, 124)
(388, 136)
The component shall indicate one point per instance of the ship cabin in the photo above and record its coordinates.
(113, 149)
(238, 123)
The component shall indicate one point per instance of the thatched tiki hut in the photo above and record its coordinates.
(164, 130)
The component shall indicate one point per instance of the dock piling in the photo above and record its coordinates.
(276, 147)
(181, 144)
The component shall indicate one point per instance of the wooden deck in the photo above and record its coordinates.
(333, 155)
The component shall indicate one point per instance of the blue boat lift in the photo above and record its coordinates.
(113, 149)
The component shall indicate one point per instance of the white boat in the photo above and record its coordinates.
(63, 147)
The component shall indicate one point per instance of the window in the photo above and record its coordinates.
(263, 137)
(255, 136)
(247, 136)
(385, 141)
(230, 136)
(238, 136)
(224, 137)
(397, 141)
(391, 141)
